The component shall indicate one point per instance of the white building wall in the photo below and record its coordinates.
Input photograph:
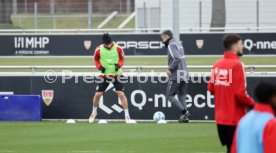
(239, 13)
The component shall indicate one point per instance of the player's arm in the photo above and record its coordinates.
(239, 85)
(211, 82)
(175, 56)
(97, 58)
(121, 57)
(269, 137)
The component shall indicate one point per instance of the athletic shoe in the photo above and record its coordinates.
(92, 118)
(184, 118)
(184, 121)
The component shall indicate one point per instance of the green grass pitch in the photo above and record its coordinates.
(59, 137)
(201, 60)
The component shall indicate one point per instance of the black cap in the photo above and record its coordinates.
(106, 38)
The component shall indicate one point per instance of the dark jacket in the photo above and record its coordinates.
(176, 61)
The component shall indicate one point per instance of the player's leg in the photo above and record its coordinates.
(119, 87)
(231, 133)
(226, 134)
(95, 103)
(181, 95)
(222, 134)
(172, 89)
(101, 87)
(123, 99)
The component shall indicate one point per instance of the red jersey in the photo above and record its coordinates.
(269, 137)
(228, 84)
(120, 53)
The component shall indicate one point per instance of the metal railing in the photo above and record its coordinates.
(138, 30)
(252, 68)
(88, 14)
(54, 14)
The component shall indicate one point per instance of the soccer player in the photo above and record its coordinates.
(178, 74)
(109, 59)
(256, 132)
(228, 84)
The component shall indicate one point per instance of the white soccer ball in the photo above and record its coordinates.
(157, 116)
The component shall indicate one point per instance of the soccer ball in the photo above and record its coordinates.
(157, 116)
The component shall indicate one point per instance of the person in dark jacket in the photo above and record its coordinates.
(178, 74)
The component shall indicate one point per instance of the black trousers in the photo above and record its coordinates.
(226, 135)
(179, 89)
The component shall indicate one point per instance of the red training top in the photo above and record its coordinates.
(228, 84)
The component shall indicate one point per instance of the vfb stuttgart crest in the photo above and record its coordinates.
(199, 43)
(87, 44)
(47, 96)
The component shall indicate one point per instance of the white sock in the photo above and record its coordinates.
(126, 113)
(94, 111)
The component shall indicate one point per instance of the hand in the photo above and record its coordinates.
(102, 69)
(116, 67)
(169, 73)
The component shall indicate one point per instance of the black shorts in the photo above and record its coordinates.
(226, 134)
(101, 87)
